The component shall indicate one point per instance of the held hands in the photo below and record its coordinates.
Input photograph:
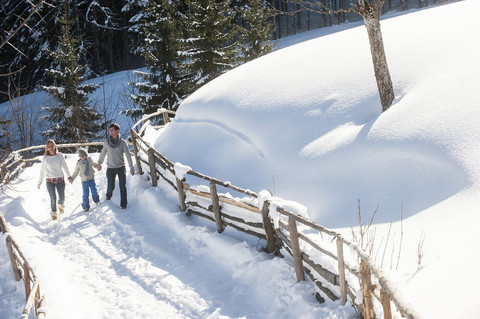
(99, 168)
(70, 179)
(39, 186)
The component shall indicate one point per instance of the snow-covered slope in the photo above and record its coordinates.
(306, 121)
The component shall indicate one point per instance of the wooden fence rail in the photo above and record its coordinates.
(249, 215)
(16, 160)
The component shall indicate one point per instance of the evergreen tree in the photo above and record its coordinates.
(256, 29)
(161, 33)
(111, 28)
(212, 39)
(72, 119)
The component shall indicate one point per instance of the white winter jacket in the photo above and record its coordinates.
(52, 167)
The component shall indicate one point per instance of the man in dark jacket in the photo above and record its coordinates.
(116, 148)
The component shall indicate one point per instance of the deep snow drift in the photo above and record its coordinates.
(306, 122)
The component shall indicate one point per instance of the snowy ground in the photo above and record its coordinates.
(149, 261)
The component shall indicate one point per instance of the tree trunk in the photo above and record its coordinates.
(110, 51)
(279, 20)
(382, 75)
(96, 45)
(126, 50)
(299, 17)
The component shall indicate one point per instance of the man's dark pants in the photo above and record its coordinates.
(122, 183)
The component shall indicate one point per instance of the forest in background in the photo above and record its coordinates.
(183, 45)
(111, 31)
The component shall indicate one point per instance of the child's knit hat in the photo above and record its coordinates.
(82, 152)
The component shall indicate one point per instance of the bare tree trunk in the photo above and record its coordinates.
(126, 51)
(279, 20)
(370, 10)
(325, 24)
(308, 20)
(110, 50)
(274, 22)
(299, 17)
(371, 18)
(95, 53)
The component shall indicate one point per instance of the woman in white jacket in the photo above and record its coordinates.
(52, 164)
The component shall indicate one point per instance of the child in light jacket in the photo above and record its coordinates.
(84, 167)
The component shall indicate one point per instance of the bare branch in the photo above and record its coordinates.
(15, 48)
(13, 72)
(12, 34)
(401, 239)
(420, 249)
(316, 7)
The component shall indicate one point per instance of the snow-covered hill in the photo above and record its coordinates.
(306, 122)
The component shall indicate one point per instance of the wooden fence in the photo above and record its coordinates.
(22, 269)
(314, 248)
(17, 160)
(9, 168)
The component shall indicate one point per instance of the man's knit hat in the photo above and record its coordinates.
(82, 152)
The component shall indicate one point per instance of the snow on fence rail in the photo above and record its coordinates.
(266, 217)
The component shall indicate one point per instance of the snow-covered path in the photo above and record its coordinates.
(150, 260)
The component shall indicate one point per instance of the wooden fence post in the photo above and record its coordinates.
(37, 300)
(16, 271)
(296, 253)
(135, 152)
(153, 167)
(341, 271)
(3, 224)
(367, 291)
(41, 310)
(26, 280)
(166, 119)
(3, 173)
(268, 227)
(216, 207)
(387, 310)
(30, 300)
(181, 194)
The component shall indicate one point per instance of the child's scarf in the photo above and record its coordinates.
(85, 161)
